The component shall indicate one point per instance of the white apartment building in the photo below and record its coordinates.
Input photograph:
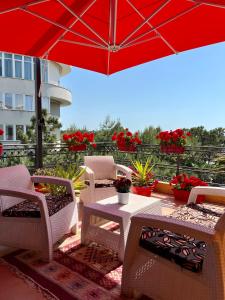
(17, 88)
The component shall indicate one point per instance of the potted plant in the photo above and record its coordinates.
(122, 186)
(173, 141)
(79, 141)
(182, 185)
(142, 178)
(126, 140)
(1, 146)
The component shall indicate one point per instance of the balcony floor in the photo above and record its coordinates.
(14, 288)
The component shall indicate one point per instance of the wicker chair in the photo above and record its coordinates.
(33, 227)
(99, 176)
(148, 272)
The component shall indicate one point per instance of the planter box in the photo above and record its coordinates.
(142, 190)
(172, 149)
(131, 148)
(76, 148)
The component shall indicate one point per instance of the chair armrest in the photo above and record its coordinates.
(205, 190)
(55, 180)
(89, 175)
(127, 171)
(174, 225)
(27, 195)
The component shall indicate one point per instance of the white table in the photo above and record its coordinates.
(110, 209)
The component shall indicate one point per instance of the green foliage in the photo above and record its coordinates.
(107, 129)
(72, 172)
(148, 135)
(51, 124)
(142, 175)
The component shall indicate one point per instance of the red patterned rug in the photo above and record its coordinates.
(77, 272)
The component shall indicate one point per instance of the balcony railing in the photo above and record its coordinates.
(198, 161)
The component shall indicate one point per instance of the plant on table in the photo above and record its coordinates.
(182, 185)
(143, 181)
(78, 141)
(173, 141)
(122, 186)
(126, 140)
(1, 146)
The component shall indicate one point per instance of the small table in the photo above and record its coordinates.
(110, 209)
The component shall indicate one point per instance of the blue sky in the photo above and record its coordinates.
(182, 90)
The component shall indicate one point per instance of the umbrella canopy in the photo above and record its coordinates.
(109, 35)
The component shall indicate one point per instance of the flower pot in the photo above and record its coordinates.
(76, 148)
(143, 190)
(125, 148)
(172, 149)
(123, 198)
(1, 150)
(182, 195)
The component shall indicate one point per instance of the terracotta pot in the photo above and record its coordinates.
(182, 195)
(75, 148)
(1, 150)
(131, 148)
(142, 190)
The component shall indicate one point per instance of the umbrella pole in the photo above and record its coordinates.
(39, 119)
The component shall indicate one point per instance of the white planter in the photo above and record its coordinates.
(123, 198)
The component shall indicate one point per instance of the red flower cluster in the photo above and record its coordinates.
(125, 140)
(176, 137)
(1, 131)
(183, 182)
(79, 141)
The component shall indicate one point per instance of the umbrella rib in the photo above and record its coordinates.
(145, 21)
(18, 7)
(208, 3)
(140, 42)
(81, 20)
(64, 33)
(165, 22)
(82, 44)
(59, 25)
(151, 26)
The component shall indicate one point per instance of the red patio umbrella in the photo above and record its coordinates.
(109, 35)
(106, 36)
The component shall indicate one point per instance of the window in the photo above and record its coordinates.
(0, 63)
(19, 130)
(27, 68)
(44, 70)
(1, 101)
(45, 103)
(29, 103)
(18, 65)
(8, 65)
(19, 102)
(8, 101)
(9, 132)
(2, 136)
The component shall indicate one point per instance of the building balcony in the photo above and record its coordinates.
(58, 93)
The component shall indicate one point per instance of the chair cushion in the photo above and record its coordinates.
(101, 183)
(30, 209)
(206, 214)
(182, 250)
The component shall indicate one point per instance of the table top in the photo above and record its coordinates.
(135, 205)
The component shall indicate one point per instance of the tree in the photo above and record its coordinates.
(148, 136)
(107, 128)
(51, 124)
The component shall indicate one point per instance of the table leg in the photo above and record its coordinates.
(85, 225)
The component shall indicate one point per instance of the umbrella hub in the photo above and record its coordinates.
(114, 48)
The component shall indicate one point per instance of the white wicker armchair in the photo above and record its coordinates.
(148, 273)
(99, 176)
(39, 233)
